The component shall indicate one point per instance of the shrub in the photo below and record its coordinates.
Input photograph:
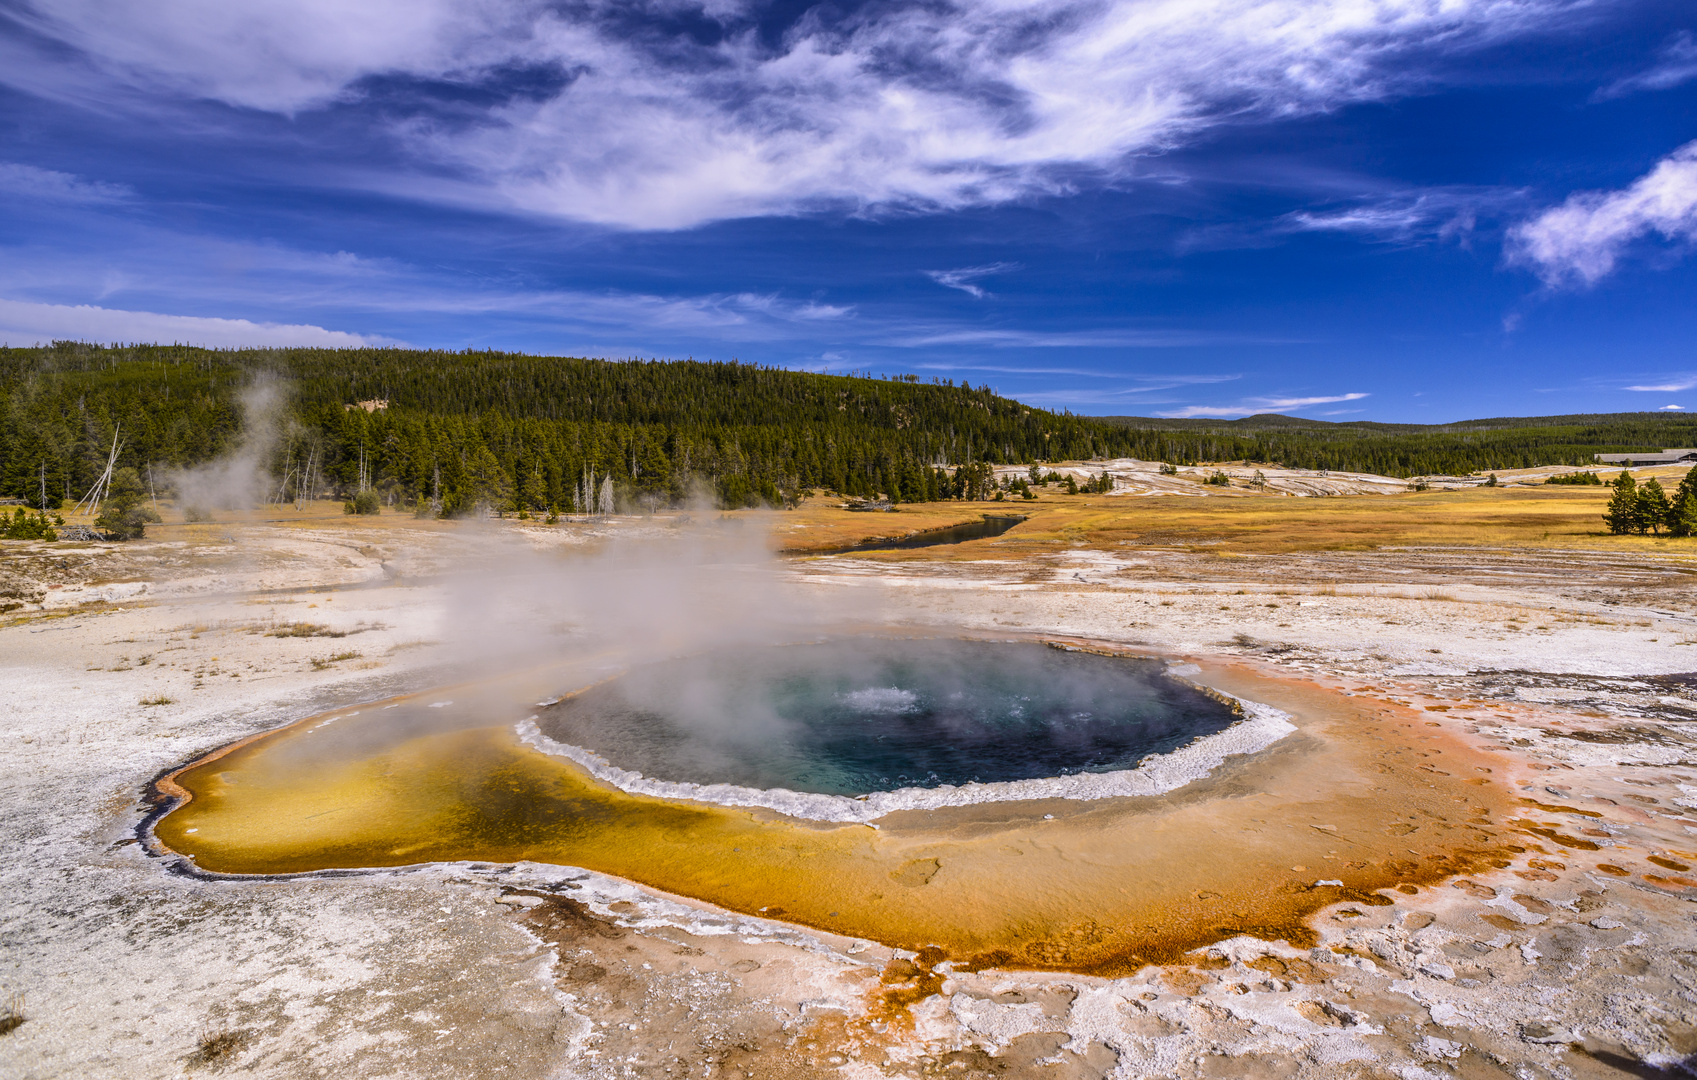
(123, 514)
(23, 526)
(366, 502)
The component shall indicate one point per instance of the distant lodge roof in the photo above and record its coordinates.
(1646, 457)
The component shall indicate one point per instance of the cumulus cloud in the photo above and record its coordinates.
(670, 113)
(1261, 405)
(1580, 241)
(25, 323)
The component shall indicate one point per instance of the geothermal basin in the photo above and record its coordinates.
(1008, 804)
(849, 729)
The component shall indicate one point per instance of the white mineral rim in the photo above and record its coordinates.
(1260, 727)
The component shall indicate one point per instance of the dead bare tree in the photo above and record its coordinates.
(92, 500)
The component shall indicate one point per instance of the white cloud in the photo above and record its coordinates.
(1163, 381)
(926, 106)
(964, 277)
(29, 182)
(1673, 387)
(953, 334)
(1400, 217)
(1580, 241)
(25, 323)
(1677, 408)
(1251, 406)
(1676, 65)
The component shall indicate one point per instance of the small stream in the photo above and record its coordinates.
(987, 526)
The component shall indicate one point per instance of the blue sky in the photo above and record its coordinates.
(1406, 210)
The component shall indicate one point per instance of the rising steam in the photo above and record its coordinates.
(240, 479)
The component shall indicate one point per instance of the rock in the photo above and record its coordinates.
(1546, 1034)
(1440, 1048)
(1438, 971)
(1606, 923)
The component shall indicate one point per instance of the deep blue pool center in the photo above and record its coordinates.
(857, 715)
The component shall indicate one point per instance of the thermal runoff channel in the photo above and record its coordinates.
(850, 717)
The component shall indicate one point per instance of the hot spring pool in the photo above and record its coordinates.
(863, 715)
(1103, 874)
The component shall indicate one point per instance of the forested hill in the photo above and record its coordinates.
(539, 432)
(462, 428)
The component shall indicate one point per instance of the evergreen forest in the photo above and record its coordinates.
(459, 430)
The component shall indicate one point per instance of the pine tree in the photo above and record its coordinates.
(1682, 508)
(124, 514)
(1682, 514)
(1622, 514)
(1653, 507)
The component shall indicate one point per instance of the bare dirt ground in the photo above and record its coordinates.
(1567, 657)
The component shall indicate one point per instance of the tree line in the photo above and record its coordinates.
(457, 430)
(1647, 508)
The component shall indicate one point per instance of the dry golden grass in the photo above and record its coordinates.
(1521, 517)
(1552, 518)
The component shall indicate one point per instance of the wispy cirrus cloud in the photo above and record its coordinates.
(26, 323)
(1676, 65)
(295, 286)
(47, 185)
(938, 333)
(1673, 386)
(965, 278)
(1251, 406)
(661, 114)
(1447, 213)
(1580, 241)
(1094, 373)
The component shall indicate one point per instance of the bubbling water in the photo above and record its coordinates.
(853, 716)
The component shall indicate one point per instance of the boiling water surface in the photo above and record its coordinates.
(849, 717)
